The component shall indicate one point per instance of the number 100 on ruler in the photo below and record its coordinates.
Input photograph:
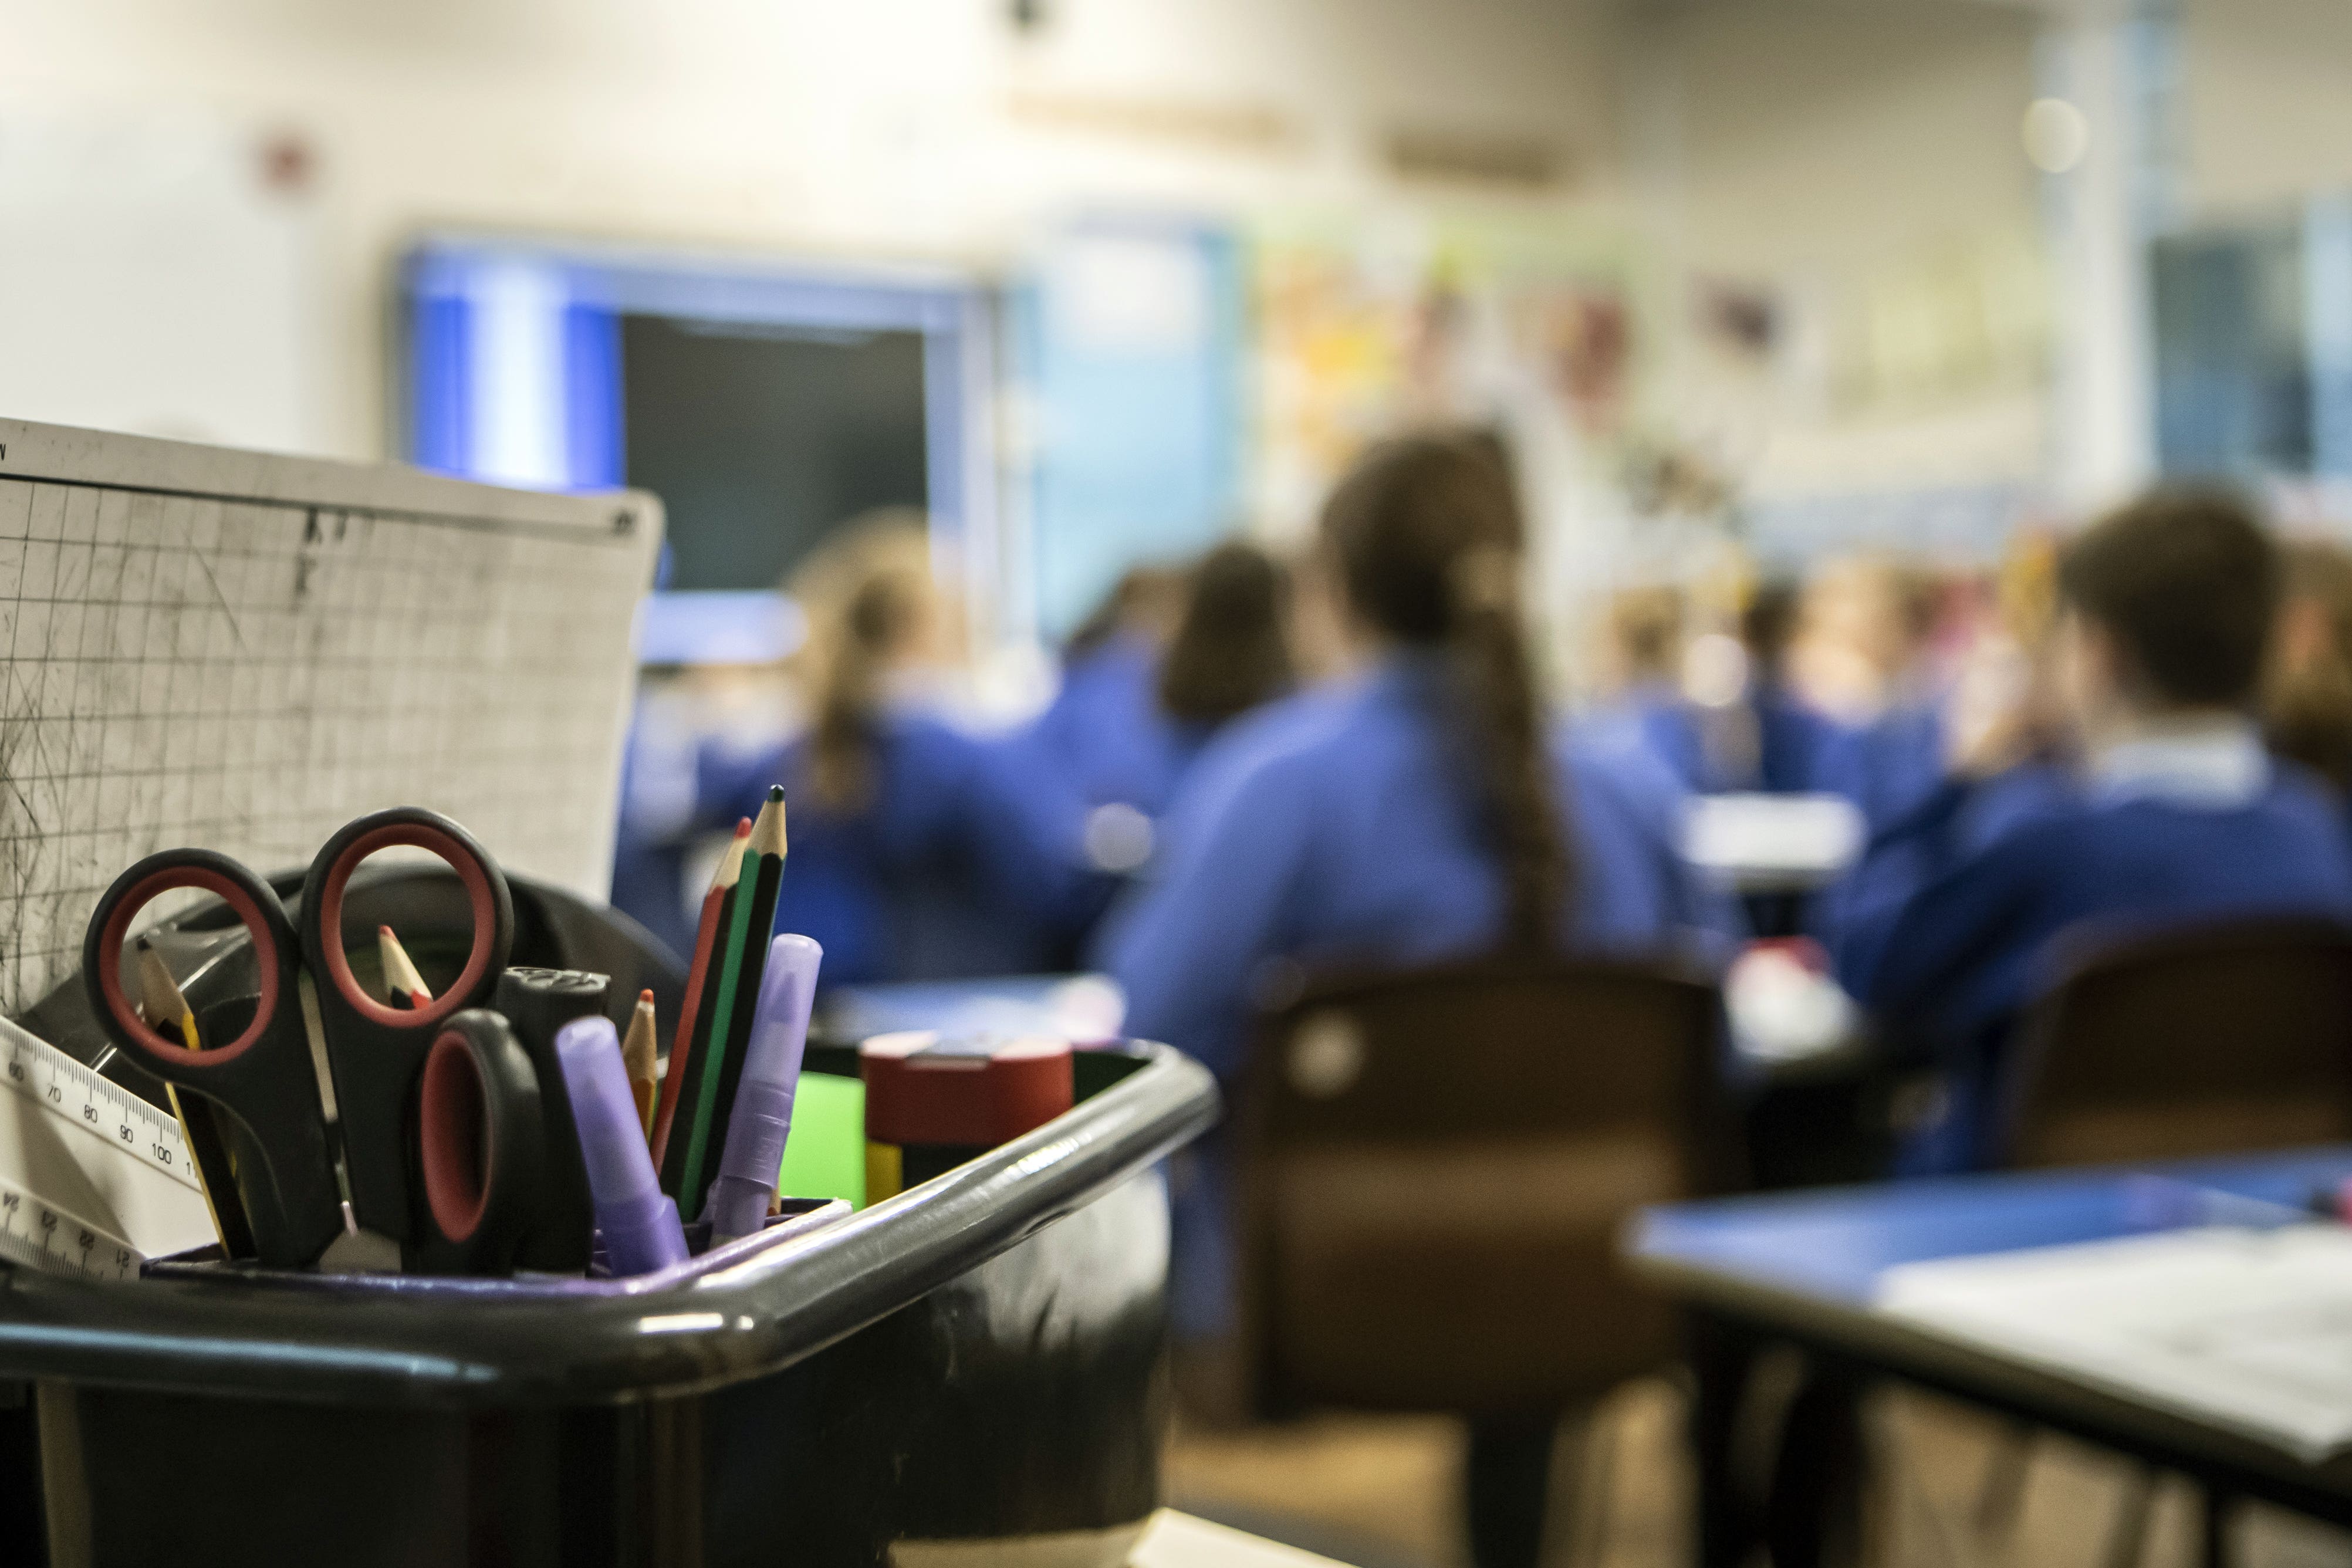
(97, 1179)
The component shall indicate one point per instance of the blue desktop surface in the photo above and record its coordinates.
(1831, 1247)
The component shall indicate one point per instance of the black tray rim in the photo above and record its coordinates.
(748, 1312)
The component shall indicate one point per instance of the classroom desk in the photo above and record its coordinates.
(1808, 1121)
(1802, 1269)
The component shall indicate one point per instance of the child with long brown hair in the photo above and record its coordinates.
(1425, 809)
(1137, 704)
(920, 850)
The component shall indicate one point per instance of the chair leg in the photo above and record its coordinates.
(1506, 1488)
(2220, 1508)
(1722, 1362)
(1813, 1518)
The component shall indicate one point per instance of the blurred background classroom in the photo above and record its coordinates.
(995, 359)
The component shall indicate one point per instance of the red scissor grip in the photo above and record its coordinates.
(327, 916)
(141, 886)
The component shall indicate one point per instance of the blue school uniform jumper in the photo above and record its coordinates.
(1105, 734)
(1657, 717)
(1959, 914)
(1890, 766)
(1792, 739)
(1337, 828)
(960, 864)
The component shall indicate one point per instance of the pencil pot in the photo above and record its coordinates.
(972, 1369)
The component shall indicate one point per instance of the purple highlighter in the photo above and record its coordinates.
(762, 1116)
(639, 1224)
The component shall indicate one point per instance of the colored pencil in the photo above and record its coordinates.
(637, 1057)
(403, 985)
(161, 1001)
(693, 1019)
(746, 952)
(162, 1004)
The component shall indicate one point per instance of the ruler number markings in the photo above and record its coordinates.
(83, 1098)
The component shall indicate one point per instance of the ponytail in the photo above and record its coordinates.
(1490, 647)
(842, 748)
(1427, 538)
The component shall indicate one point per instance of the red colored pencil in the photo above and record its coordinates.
(705, 936)
(401, 982)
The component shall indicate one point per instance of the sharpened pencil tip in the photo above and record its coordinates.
(768, 832)
(776, 792)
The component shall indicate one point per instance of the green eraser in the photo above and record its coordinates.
(825, 1157)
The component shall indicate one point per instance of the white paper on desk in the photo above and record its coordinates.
(2250, 1329)
(1807, 838)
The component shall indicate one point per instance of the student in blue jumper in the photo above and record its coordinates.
(1231, 654)
(1135, 710)
(2307, 698)
(1424, 809)
(918, 850)
(1782, 738)
(1767, 738)
(1100, 734)
(1893, 762)
(1646, 636)
(2176, 814)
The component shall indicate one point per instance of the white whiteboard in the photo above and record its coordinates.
(241, 652)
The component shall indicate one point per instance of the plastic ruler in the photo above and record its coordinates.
(93, 1179)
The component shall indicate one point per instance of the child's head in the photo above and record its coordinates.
(1232, 646)
(876, 614)
(2168, 609)
(2308, 694)
(1645, 632)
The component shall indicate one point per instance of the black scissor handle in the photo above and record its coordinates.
(274, 953)
(376, 1051)
(262, 1078)
(408, 826)
(479, 1138)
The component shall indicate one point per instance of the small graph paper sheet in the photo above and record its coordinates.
(242, 652)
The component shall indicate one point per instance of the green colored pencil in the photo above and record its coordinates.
(739, 991)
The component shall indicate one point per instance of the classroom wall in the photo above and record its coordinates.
(909, 128)
(2267, 105)
(1839, 152)
(1859, 160)
(1857, 165)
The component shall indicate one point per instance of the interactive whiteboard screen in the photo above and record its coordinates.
(241, 652)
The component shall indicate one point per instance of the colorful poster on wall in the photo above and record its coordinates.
(1365, 328)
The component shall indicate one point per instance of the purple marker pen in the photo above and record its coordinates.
(639, 1224)
(762, 1117)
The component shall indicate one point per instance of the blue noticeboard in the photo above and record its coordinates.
(1129, 343)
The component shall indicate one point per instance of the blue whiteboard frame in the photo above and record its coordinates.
(510, 364)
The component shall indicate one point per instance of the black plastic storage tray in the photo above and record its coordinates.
(950, 1367)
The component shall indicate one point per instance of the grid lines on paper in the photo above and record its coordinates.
(247, 676)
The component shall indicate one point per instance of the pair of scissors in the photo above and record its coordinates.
(404, 1175)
